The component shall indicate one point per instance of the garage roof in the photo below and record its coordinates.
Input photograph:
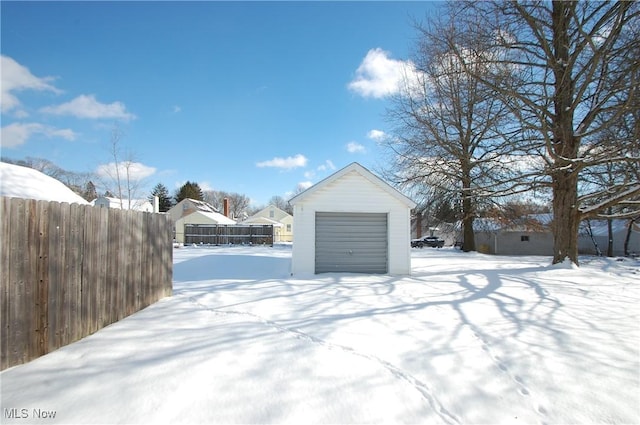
(354, 166)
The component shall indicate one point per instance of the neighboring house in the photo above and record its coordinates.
(529, 235)
(124, 204)
(599, 230)
(191, 211)
(281, 220)
(352, 221)
(532, 235)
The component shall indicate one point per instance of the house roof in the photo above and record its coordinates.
(22, 182)
(280, 213)
(262, 220)
(134, 204)
(354, 166)
(213, 216)
(201, 205)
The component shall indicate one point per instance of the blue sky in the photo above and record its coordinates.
(257, 98)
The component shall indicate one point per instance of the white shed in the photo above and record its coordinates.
(352, 221)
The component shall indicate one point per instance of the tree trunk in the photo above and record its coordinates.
(468, 214)
(566, 217)
(565, 144)
(610, 236)
(469, 237)
(628, 237)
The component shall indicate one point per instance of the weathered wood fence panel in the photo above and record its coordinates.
(224, 234)
(67, 270)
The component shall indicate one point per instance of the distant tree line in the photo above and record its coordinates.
(239, 204)
(82, 183)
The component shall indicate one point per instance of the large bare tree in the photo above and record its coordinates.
(449, 139)
(577, 67)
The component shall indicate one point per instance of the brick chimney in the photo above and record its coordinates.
(225, 207)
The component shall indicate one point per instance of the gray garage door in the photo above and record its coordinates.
(351, 242)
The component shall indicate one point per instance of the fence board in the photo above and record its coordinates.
(56, 270)
(68, 270)
(113, 247)
(75, 240)
(18, 334)
(166, 233)
(32, 288)
(5, 264)
(147, 260)
(42, 275)
(103, 267)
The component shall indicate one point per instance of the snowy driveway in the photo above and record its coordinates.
(468, 338)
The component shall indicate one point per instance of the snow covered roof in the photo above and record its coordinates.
(134, 204)
(354, 166)
(215, 217)
(23, 182)
(262, 220)
(202, 205)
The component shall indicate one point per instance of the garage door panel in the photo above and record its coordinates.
(351, 242)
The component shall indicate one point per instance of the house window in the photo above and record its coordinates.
(272, 214)
(288, 228)
(524, 238)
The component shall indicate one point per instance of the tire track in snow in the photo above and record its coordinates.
(418, 385)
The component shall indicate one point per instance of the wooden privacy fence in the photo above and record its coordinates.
(223, 234)
(67, 270)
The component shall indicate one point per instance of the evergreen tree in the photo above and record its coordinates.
(90, 193)
(162, 193)
(189, 190)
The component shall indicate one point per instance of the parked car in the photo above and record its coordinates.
(432, 241)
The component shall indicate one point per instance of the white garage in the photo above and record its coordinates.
(352, 221)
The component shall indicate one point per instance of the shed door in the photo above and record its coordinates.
(351, 242)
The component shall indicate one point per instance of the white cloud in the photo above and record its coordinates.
(16, 77)
(205, 186)
(378, 75)
(16, 134)
(377, 135)
(328, 165)
(353, 147)
(287, 163)
(310, 174)
(135, 170)
(176, 109)
(303, 186)
(86, 106)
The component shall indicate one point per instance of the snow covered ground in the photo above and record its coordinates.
(467, 339)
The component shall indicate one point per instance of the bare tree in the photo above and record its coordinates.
(238, 203)
(120, 176)
(280, 202)
(577, 67)
(449, 131)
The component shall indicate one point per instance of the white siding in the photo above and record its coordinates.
(351, 193)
